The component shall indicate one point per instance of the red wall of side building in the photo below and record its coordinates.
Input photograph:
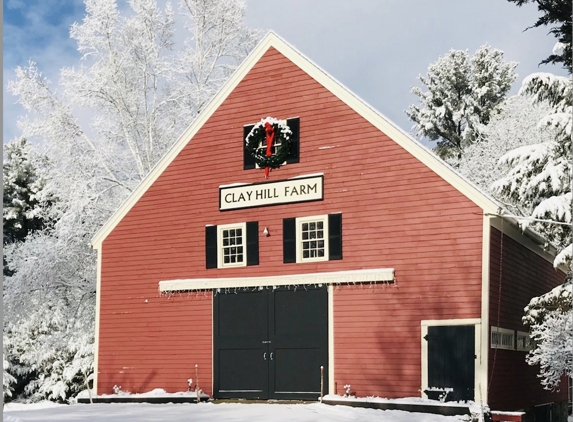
(524, 275)
(396, 213)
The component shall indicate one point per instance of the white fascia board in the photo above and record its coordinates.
(338, 277)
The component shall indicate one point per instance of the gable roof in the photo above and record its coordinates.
(271, 40)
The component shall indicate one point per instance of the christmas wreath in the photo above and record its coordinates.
(273, 132)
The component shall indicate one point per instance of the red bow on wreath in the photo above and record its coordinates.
(270, 135)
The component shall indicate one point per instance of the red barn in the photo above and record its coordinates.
(362, 253)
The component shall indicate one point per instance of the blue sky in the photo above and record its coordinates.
(376, 48)
(33, 28)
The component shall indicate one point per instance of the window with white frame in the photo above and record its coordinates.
(524, 341)
(232, 245)
(502, 338)
(312, 238)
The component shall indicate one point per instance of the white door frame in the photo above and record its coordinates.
(476, 322)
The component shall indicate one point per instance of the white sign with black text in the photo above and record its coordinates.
(301, 189)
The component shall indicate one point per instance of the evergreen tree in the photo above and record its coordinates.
(21, 186)
(558, 13)
(515, 126)
(463, 94)
(540, 176)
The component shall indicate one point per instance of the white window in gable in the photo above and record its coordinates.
(524, 342)
(232, 245)
(312, 238)
(502, 338)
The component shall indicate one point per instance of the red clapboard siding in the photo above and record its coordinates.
(396, 214)
(514, 384)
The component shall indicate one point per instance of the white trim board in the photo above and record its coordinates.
(97, 320)
(330, 386)
(338, 277)
(481, 376)
(448, 322)
(429, 159)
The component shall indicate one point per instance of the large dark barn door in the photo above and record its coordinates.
(299, 342)
(240, 320)
(451, 360)
(270, 343)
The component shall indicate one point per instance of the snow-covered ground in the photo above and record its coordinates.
(209, 412)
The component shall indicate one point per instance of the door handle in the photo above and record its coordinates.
(265, 356)
(271, 355)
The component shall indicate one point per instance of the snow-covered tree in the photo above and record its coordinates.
(140, 90)
(7, 379)
(559, 14)
(550, 318)
(540, 175)
(515, 126)
(21, 186)
(463, 94)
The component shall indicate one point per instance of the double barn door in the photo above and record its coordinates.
(270, 343)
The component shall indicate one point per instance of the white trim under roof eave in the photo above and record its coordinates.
(337, 89)
(377, 275)
(186, 137)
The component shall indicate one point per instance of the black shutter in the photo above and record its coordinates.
(289, 240)
(211, 247)
(253, 243)
(294, 125)
(248, 159)
(334, 236)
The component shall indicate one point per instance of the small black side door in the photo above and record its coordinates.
(451, 360)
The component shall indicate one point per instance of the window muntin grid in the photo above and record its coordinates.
(232, 245)
(312, 234)
(312, 239)
(262, 148)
